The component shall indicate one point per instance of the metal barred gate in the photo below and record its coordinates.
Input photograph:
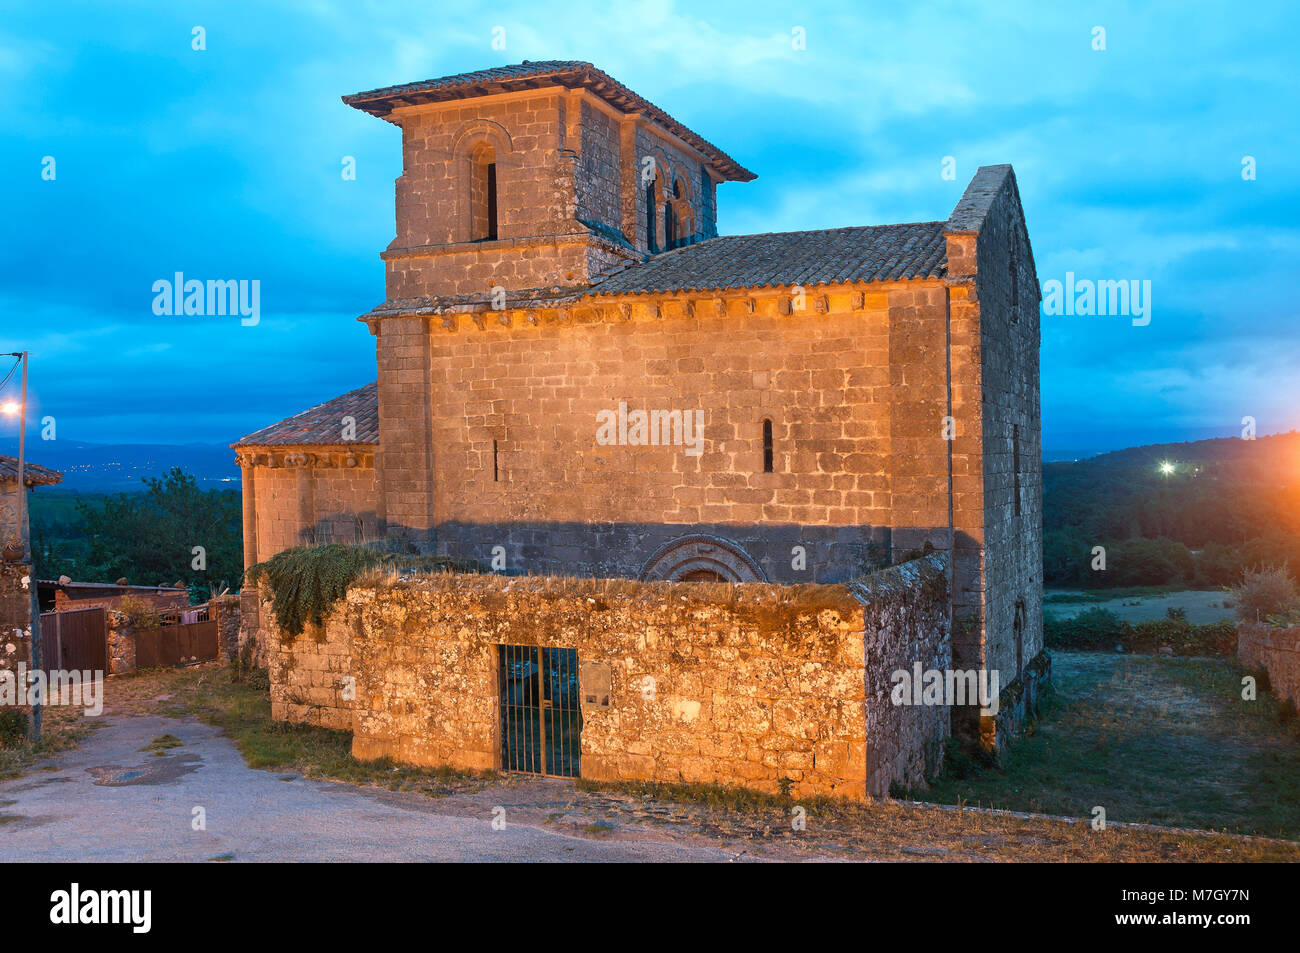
(541, 713)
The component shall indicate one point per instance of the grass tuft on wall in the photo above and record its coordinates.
(307, 581)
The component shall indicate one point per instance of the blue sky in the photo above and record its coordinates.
(225, 163)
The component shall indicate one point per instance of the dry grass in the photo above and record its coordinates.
(62, 728)
(899, 830)
(631, 590)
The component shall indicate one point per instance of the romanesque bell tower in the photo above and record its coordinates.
(537, 176)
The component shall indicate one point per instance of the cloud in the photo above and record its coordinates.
(225, 163)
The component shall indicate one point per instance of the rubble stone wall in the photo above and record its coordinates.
(1275, 650)
(750, 684)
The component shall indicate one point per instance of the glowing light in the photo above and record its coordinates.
(1167, 468)
(10, 408)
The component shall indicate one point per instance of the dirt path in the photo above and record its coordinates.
(111, 801)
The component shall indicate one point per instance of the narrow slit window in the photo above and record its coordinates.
(1015, 463)
(767, 446)
(483, 194)
(1015, 283)
(496, 469)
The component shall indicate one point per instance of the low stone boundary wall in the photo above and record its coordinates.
(226, 611)
(121, 644)
(310, 674)
(1275, 650)
(759, 685)
(905, 621)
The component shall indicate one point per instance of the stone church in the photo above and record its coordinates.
(578, 376)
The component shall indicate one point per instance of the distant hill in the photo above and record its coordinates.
(1195, 512)
(1273, 459)
(114, 468)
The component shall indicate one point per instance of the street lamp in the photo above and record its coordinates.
(19, 410)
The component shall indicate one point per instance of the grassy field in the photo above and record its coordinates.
(1150, 739)
(1138, 605)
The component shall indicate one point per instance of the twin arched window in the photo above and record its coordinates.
(677, 217)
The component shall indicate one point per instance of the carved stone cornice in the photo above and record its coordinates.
(361, 456)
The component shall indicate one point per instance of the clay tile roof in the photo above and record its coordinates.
(322, 425)
(572, 74)
(33, 475)
(866, 253)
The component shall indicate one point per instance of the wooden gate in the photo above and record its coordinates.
(171, 645)
(75, 640)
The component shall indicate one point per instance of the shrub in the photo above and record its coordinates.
(1100, 629)
(139, 613)
(13, 729)
(1093, 628)
(1263, 592)
(1181, 637)
(307, 581)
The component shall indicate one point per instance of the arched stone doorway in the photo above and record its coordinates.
(701, 558)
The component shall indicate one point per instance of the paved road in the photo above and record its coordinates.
(110, 801)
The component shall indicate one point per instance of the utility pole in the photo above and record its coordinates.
(34, 611)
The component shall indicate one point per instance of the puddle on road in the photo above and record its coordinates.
(163, 770)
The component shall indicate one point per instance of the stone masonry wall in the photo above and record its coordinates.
(225, 609)
(121, 644)
(854, 385)
(997, 508)
(1275, 650)
(297, 502)
(750, 684)
(906, 620)
(568, 168)
(308, 674)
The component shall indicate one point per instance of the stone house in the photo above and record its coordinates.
(577, 376)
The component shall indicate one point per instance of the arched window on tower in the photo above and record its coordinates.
(677, 219)
(483, 195)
